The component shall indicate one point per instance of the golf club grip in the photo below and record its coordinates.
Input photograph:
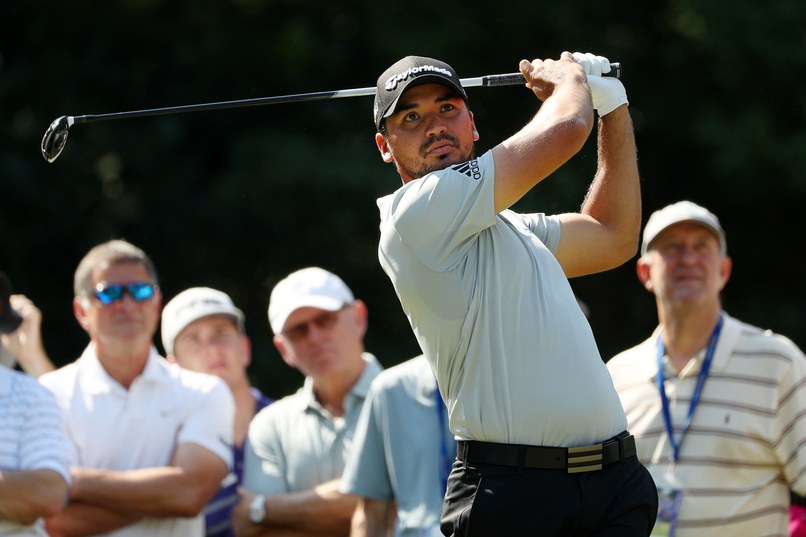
(512, 79)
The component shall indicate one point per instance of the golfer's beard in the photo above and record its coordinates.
(424, 168)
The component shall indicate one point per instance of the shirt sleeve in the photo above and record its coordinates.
(789, 422)
(212, 424)
(44, 436)
(438, 215)
(366, 473)
(544, 227)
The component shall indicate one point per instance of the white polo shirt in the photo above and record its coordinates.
(32, 436)
(118, 429)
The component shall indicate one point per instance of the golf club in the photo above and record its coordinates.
(56, 136)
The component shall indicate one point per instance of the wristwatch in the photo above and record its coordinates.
(257, 509)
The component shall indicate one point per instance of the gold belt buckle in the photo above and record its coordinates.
(584, 459)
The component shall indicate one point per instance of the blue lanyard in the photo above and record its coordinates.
(695, 397)
(445, 461)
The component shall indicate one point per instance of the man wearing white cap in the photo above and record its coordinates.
(298, 446)
(716, 405)
(203, 331)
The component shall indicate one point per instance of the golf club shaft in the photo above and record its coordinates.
(509, 79)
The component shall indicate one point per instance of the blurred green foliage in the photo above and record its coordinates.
(236, 199)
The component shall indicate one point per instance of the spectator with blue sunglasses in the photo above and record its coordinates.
(150, 441)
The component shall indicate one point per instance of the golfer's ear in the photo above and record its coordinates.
(383, 147)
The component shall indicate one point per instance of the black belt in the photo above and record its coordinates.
(573, 460)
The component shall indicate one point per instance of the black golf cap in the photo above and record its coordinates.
(409, 72)
(9, 319)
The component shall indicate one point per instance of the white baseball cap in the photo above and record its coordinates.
(682, 211)
(311, 287)
(191, 305)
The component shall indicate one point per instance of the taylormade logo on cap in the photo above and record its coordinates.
(394, 80)
(407, 73)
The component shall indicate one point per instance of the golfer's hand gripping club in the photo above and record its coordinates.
(607, 93)
(514, 79)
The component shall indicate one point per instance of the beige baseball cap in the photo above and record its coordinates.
(191, 305)
(311, 287)
(682, 211)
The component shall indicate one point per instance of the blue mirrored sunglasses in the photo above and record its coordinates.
(139, 291)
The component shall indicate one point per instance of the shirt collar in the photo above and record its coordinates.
(94, 378)
(691, 369)
(359, 390)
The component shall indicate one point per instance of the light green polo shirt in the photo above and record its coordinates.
(296, 444)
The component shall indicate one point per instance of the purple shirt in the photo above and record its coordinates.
(218, 512)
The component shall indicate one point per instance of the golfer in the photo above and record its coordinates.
(542, 441)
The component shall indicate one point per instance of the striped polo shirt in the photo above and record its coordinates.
(32, 435)
(744, 448)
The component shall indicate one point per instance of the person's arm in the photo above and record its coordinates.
(179, 490)
(556, 133)
(25, 343)
(605, 233)
(105, 500)
(373, 518)
(322, 510)
(83, 520)
(26, 495)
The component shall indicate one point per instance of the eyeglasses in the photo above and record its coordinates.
(324, 321)
(139, 291)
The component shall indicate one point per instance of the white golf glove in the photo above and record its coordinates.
(608, 93)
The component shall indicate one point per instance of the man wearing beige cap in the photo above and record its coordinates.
(298, 446)
(203, 331)
(716, 405)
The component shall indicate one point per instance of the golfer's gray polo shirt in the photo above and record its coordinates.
(494, 313)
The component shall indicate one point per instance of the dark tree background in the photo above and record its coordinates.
(236, 199)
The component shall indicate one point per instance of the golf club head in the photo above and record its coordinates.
(55, 137)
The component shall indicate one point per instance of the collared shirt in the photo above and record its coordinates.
(113, 428)
(32, 436)
(744, 448)
(296, 444)
(494, 313)
(398, 446)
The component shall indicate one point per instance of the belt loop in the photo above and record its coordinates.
(621, 456)
(521, 459)
(465, 452)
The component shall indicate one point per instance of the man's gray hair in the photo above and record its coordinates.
(105, 254)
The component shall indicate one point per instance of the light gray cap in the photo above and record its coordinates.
(682, 211)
